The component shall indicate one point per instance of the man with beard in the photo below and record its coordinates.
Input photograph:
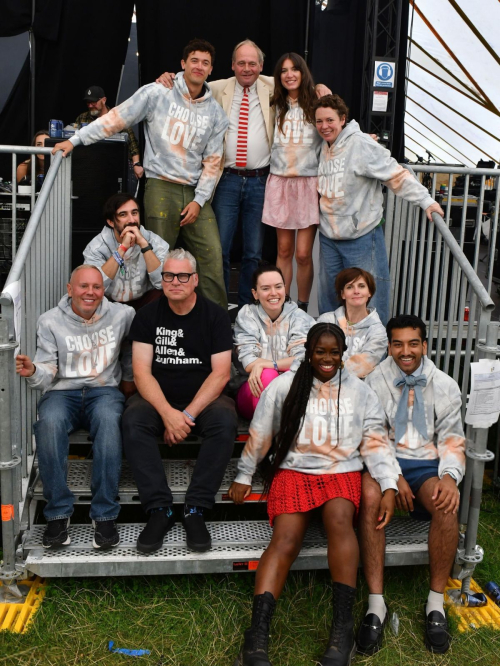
(96, 107)
(128, 255)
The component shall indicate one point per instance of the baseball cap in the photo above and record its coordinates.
(93, 93)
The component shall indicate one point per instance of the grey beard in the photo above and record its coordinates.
(94, 113)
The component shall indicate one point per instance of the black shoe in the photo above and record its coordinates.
(370, 633)
(159, 523)
(105, 534)
(197, 535)
(56, 533)
(341, 645)
(437, 635)
(255, 645)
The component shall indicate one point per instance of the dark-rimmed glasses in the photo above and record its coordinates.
(182, 277)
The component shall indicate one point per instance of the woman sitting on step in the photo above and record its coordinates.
(320, 424)
(268, 335)
(366, 336)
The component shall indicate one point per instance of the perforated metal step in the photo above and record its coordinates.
(178, 473)
(236, 546)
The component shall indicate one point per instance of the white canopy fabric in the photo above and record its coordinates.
(453, 81)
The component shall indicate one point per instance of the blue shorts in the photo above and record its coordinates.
(417, 471)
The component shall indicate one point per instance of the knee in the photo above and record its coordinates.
(285, 251)
(303, 258)
(286, 545)
(370, 494)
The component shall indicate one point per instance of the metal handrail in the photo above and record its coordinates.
(28, 150)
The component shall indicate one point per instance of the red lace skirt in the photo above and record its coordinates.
(295, 492)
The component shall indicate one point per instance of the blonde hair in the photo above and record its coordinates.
(248, 42)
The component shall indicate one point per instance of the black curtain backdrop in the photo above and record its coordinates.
(77, 45)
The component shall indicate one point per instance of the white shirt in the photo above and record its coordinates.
(258, 149)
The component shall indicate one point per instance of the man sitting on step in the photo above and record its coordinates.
(181, 355)
(78, 368)
(422, 406)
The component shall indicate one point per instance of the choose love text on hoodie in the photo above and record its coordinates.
(72, 352)
(184, 136)
(319, 448)
(366, 340)
(257, 336)
(351, 171)
(443, 404)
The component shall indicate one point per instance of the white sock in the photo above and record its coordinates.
(376, 605)
(435, 602)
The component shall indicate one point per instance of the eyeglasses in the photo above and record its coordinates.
(182, 277)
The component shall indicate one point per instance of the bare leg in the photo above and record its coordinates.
(275, 563)
(303, 257)
(286, 248)
(343, 549)
(443, 537)
(372, 541)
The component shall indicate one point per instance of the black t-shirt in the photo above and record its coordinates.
(182, 345)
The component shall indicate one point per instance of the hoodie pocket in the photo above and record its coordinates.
(343, 226)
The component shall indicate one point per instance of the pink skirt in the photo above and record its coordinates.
(291, 203)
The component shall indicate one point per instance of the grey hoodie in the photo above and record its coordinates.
(317, 450)
(351, 171)
(184, 136)
(443, 405)
(72, 353)
(366, 340)
(257, 336)
(134, 281)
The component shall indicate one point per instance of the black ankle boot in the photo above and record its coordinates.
(341, 646)
(254, 650)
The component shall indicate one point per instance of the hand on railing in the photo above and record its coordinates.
(65, 146)
(24, 366)
(433, 208)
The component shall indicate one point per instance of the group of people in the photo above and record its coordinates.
(349, 416)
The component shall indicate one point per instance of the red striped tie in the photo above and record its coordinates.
(241, 147)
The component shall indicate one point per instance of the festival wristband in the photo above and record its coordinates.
(189, 415)
(122, 247)
(275, 366)
(118, 259)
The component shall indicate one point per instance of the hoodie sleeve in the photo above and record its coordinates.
(128, 113)
(297, 334)
(450, 434)
(126, 347)
(375, 448)
(264, 426)
(160, 248)
(95, 256)
(373, 351)
(379, 164)
(247, 337)
(46, 358)
(211, 160)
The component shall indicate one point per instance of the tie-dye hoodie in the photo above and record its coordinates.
(351, 171)
(257, 336)
(72, 352)
(443, 404)
(133, 281)
(295, 150)
(362, 434)
(184, 136)
(366, 340)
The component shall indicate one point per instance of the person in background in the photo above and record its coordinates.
(96, 108)
(422, 408)
(129, 256)
(291, 202)
(23, 172)
(319, 425)
(352, 169)
(365, 334)
(268, 335)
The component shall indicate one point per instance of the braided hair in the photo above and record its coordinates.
(295, 405)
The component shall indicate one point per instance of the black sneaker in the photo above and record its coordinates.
(160, 522)
(56, 533)
(437, 634)
(197, 535)
(105, 534)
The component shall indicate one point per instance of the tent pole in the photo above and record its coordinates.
(32, 73)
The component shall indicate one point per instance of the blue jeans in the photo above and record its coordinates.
(98, 410)
(235, 197)
(367, 252)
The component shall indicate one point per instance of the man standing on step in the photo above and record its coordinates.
(182, 361)
(422, 406)
(78, 368)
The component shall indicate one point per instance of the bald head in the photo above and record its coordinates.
(86, 290)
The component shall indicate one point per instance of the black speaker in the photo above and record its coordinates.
(97, 172)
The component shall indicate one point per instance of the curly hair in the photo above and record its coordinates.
(306, 92)
(334, 102)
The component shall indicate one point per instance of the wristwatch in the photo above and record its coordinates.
(139, 164)
(147, 248)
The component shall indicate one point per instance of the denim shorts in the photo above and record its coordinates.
(416, 472)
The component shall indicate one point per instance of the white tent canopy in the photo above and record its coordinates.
(453, 81)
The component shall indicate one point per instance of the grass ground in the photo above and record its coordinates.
(198, 620)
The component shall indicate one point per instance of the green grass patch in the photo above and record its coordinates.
(199, 620)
